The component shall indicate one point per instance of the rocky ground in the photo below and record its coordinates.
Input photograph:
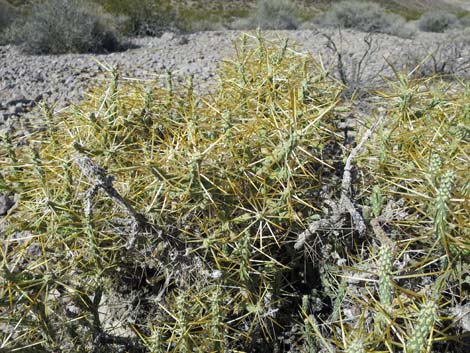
(26, 80)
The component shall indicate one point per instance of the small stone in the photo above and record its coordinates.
(6, 202)
(18, 108)
(18, 99)
(183, 40)
(38, 98)
(167, 36)
(12, 110)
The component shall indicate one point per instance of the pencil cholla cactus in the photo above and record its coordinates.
(445, 189)
(461, 132)
(442, 198)
(435, 164)
(376, 201)
(385, 265)
(420, 335)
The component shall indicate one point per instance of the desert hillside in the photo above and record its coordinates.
(412, 4)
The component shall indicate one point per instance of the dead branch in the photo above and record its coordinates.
(353, 73)
(345, 205)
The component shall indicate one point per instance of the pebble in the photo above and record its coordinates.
(6, 202)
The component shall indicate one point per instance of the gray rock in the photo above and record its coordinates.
(12, 110)
(18, 108)
(183, 40)
(6, 202)
(38, 98)
(19, 99)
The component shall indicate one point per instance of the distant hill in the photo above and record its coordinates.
(407, 8)
(425, 5)
(410, 9)
(422, 5)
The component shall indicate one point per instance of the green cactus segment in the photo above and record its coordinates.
(424, 326)
(444, 194)
(385, 266)
(435, 164)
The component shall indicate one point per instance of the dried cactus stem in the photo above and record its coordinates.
(345, 204)
(105, 182)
